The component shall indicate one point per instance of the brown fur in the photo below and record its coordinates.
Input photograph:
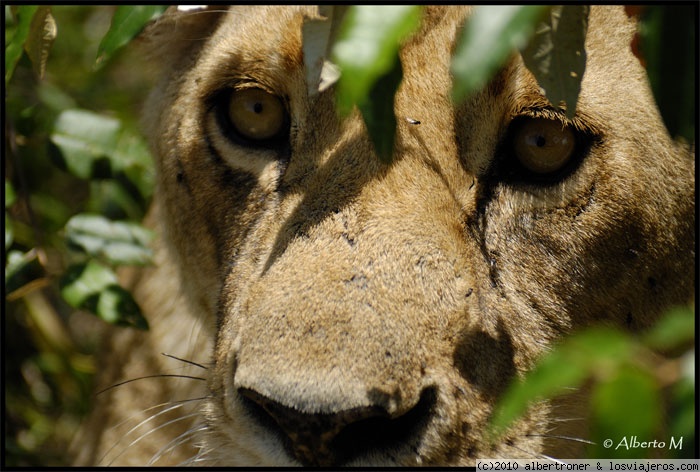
(316, 281)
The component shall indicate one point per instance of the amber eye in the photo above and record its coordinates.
(257, 115)
(543, 146)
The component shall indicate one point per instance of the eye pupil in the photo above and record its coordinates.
(253, 115)
(542, 146)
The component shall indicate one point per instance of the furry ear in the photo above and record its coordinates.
(179, 33)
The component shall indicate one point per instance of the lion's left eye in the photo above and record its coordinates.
(253, 116)
(543, 146)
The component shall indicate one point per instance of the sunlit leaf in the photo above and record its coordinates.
(116, 305)
(97, 146)
(132, 157)
(556, 54)
(368, 46)
(118, 242)
(20, 269)
(489, 37)
(42, 33)
(15, 46)
(367, 55)
(94, 287)
(128, 21)
(83, 281)
(84, 138)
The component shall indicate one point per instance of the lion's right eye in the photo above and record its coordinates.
(542, 151)
(543, 146)
(253, 116)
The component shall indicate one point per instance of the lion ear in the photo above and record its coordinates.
(179, 32)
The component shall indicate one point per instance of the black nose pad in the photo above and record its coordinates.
(327, 439)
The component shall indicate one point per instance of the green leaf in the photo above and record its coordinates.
(15, 46)
(668, 45)
(682, 411)
(94, 287)
(54, 98)
(676, 328)
(601, 350)
(85, 138)
(117, 306)
(128, 21)
(489, 37)
(596, 352)
(10, 195)
(9, 232)
(118, 242)
(96, 146)
(10, 198)
(625, 406)
(556, 56)
(367, 55)
(132, 157)
(83, 282)
(553, 374)
(378, 113)
(20, 269)
(367, 48)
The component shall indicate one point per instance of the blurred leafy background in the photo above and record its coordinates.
(71, 150)
(78, 179)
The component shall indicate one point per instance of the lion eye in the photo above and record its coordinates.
(256, 115)
(543, 146)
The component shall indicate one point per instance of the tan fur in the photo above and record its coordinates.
(330, 284)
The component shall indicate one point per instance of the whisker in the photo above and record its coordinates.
(151, 377)
(192, 460)
(550, 458)
(179, 440)
(537, 455)
(555, 436)
(171, 406)
(157, 406)
(159, 427)
(184, 360)
(564, 420)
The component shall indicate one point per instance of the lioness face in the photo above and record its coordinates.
(370, 314)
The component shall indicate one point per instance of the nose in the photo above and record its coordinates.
(327, 439)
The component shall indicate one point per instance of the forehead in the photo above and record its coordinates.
(269, 38)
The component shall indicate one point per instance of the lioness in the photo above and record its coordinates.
(346, 312)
